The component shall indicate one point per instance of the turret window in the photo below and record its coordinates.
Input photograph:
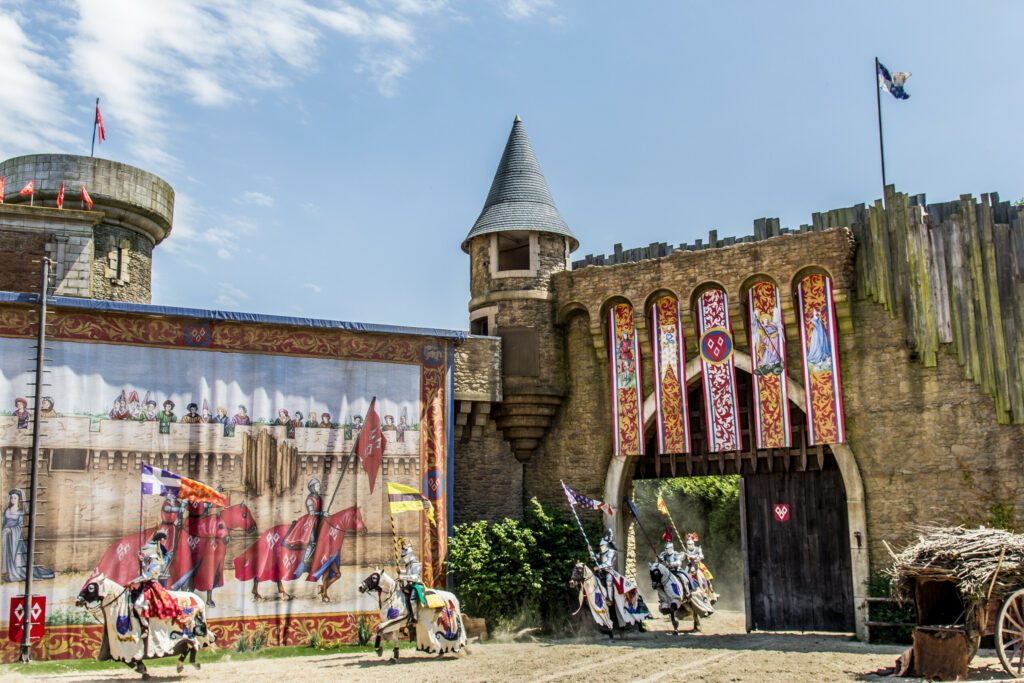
(514, 254)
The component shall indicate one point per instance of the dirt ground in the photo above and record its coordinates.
(723, 652)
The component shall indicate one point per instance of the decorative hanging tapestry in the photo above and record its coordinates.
(719, 370)
(627, 408)
(768, 358)
(669, 353)
(820, 351)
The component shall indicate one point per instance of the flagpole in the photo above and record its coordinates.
(881, 142)
(140, 529)
(92, 151)
(636, 518)
(672, 521)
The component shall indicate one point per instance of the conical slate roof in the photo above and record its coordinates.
(519, 198)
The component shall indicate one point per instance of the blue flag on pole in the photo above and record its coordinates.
(586, 502)
(893, 83)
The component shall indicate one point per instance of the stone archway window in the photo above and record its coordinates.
(117, 263)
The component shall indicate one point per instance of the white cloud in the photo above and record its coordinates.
(258, 198)
(525, 9)
(223, 253)
(316, 289)
(229, 296)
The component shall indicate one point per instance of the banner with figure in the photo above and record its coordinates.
(669, 356)
(820, 351)
(719, 372)
(244, 435)
(627, 397)
(768, 358)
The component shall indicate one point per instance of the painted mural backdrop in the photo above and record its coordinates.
(273, 432)
(627, 399)
(669, 355)
(719, 371)
(820, 352)
(768, 358)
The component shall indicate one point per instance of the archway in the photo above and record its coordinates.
(619, 478)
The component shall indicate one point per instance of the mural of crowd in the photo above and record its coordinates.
(127, 406)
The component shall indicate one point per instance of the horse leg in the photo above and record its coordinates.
(209, 599)
(675, 623)
(192, 658)
(256, 597)
(696, 621)
(328, 581)
(394, 658)
(141, 668)
(376, 646)
(282, 593)
(181, 663)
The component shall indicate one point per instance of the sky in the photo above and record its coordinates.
(329, 156)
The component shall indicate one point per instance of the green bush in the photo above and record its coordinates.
(509, 570)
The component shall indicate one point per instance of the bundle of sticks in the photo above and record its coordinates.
(983, 563)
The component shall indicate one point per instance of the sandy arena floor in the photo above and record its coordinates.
(722, 653)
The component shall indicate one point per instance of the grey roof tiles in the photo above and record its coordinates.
(519, 198)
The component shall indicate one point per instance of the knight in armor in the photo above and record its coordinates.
(673, 559)
(305, 531)
(153, 561)
(410, 577)
(605, 568)
(695, 559)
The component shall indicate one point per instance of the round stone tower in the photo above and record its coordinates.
(102, 253)
(516, 244)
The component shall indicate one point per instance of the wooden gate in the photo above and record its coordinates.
(797, 556)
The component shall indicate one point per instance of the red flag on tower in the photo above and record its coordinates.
(86, 198)
(60, 196)
(29, 189)
(3, 182)
(370, 443)
(99, 123)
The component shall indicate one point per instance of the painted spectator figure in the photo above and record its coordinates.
(325, 421)
(389, 423)
(241, 417)
(295, 423)
(222, 418)
(134, 406)
(166, 417)
(206, 417)
(120, 410)
(312, 422)
(21, 412)
(150, 412)
(192, 417)
(357, 426)
(403, 425)
(46, 408)
(12, 544)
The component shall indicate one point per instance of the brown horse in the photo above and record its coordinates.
(199, 557)
(269, 560)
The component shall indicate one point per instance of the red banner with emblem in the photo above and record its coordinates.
(820, 352)
(771, 425)
(627, 399)
(719, 372)
(669, 356)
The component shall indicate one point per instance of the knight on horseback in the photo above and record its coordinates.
(410, 579)
(153, 560)
(605, 568)
(673, 559)
(695, 560)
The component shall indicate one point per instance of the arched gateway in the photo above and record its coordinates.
(805, 563)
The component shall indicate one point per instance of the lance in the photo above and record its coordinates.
(636, 518)
(590, 548)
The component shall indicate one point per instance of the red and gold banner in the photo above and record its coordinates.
(627, 399)
(768, 361)
(820, 351)
(669, 354)
(719, 372)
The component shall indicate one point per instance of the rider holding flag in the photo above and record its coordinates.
(411, 578)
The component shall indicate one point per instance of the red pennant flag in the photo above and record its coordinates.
(86, 198)
(29, 189)
(101, 133)
(60, 196)
(3, 183)
(370, 443)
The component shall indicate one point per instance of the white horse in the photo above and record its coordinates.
(438, 629)
(110, 603)
(626, 606)
(678, 599)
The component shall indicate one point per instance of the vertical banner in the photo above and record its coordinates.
(627, 401)
(768, 351)
(820, 351)
(719, 370)
(669, 353)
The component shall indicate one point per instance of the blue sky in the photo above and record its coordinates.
(330, 156)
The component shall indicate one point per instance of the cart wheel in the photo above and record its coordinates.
(1010, 634)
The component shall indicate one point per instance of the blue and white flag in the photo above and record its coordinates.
(893, 83)
(157, 482)
(586, 502)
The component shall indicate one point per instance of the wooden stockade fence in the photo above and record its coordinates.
(953, 272)
(268, 463)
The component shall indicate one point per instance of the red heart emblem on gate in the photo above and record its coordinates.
(781, 512)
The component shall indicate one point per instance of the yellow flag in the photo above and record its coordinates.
(407, 499)
(662, 508)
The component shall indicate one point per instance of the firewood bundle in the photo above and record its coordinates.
(982, 563)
